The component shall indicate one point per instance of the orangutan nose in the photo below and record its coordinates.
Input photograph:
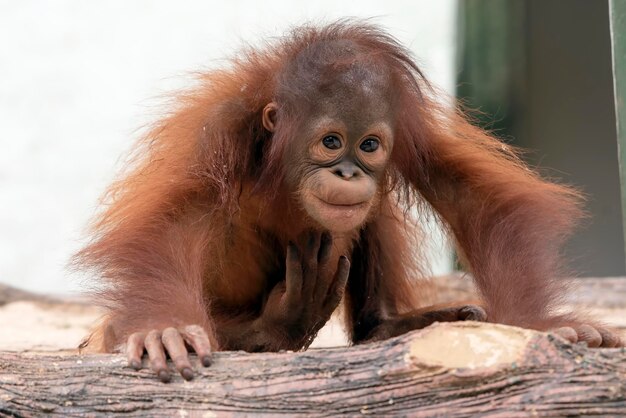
(346, 170)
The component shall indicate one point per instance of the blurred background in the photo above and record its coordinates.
(79, 79)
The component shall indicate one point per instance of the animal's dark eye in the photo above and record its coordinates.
(331, 142)
(370, 145)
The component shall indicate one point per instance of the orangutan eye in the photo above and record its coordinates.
(370, 145)
(331, 142)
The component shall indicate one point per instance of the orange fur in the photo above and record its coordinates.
(196, 230)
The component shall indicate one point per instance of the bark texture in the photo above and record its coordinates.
(456, 369)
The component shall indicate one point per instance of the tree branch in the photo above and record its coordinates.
(452, 369)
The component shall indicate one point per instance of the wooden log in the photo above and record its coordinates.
(454, 369)
(584, 292)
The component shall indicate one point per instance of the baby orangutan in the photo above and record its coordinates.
(280, 187)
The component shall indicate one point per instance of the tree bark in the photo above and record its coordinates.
(454, 369)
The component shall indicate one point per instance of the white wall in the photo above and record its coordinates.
(78, 78)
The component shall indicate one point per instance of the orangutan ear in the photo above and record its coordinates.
(269, 116)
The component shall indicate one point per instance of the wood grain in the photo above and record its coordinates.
(457, 369)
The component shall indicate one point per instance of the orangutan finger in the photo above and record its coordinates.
(325, 250)
(310, 278)
(175, 346)
(338, 286)
(293, 277)
(472, 313)
(134, 350)
(156, 354)
(568, 333)
(197, 338)
(590, 335)
(609, 339)
(325, 277)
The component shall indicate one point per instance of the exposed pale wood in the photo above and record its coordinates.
(448, 369)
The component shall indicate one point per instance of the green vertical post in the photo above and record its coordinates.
(491, 63)
(618, 43)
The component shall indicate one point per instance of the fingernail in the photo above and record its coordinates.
(187, 373)
(164, 376)
(135, 364)
(206, 361)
